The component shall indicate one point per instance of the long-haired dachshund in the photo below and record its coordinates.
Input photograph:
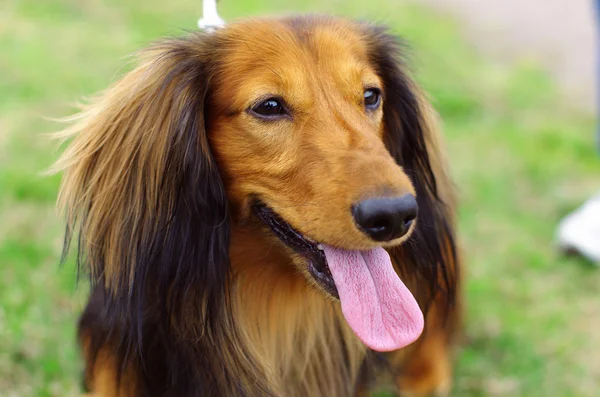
(256, 208)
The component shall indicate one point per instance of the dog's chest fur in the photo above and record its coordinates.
(298, 335)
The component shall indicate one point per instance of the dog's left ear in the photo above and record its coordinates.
(413, 139)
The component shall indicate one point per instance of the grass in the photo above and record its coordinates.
(521, 157)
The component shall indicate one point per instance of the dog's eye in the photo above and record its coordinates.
(372, 98)
(270, 108)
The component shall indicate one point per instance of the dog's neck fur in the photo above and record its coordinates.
(295, 332)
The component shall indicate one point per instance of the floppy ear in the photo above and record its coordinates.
(143, 193)
(413, 140)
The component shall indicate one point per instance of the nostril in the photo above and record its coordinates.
(381, 224)
(409, 220)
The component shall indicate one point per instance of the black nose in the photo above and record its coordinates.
(385, 219)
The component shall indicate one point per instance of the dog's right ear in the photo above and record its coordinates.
(142, 191)
(413, 140)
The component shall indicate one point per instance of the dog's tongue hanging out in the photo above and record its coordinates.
(376, 304)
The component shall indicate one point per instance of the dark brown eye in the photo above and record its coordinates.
(372, 98)
(269, 108)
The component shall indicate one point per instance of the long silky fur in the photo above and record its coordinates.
(143, 193)
(143, 196)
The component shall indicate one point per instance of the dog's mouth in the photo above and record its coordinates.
(376, 304)
(308, 248)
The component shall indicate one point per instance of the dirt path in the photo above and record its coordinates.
(560, 34)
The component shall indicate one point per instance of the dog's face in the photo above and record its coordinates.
(298, 128)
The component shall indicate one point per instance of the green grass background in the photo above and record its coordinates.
(522, 158)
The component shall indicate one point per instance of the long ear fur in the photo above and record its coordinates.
(141, 188)
(412, 139)
(143, 193)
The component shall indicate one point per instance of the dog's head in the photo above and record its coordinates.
(297, 126)
(309, 127)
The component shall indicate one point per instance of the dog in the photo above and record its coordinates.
(264, 210)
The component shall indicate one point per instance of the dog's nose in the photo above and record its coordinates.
(385, 219)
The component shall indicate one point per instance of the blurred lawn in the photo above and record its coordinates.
(521, 158)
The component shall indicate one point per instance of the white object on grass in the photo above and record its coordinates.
(210, 18)
(580, 231)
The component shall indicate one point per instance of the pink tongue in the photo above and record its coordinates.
(377, 305)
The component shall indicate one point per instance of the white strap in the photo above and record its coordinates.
(210, 18)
